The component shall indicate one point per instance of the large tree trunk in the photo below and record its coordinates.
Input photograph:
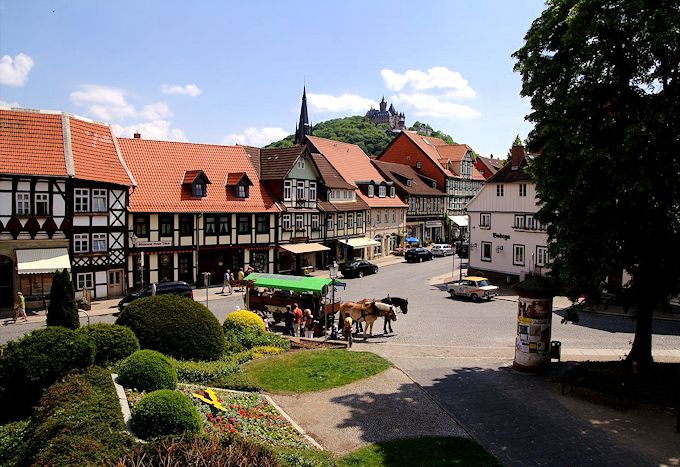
(641, 352)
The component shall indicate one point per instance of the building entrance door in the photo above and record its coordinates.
(6, 282)
(115, 283)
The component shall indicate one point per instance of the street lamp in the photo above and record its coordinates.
(333, 271)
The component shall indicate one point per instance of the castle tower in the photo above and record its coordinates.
(303, 128)
(383, 104)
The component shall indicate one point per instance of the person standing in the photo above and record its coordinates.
(297, 312)
(20, 307)
(288, 321)
(309, 323)
(347, 330)
(227, 282)
(241, 276)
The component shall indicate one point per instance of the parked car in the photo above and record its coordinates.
(462, 249)
(358, 268)
(162, 288)
(416, 255)
(441, 249)
(474, 287)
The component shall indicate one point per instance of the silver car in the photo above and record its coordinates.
(441, 249)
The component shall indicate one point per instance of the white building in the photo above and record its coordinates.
(506, 242)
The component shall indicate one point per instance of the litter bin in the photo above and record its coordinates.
(556, 350)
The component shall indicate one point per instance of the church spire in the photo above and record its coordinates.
(303, 128)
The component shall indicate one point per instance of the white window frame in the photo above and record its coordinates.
(99, 197)
(312, 191)
(23, 204)
(350, 221)
(542, 256)
(418, 164)
(85, 280)
(490, 247)
(241, 191)
(329, 222)
(522, 189)
(81, 243)
(287, 190)
(42, 198)
(300, 190)
(520, 221)
(286, 222)
(518, 255)
(341, 221)
(499, 189)
(301, 163)
(81, 200)
(360, 220)
(299, 222)
(382, 191)
(99, 242)
(371, 191)
(315, 222)
(485, 220)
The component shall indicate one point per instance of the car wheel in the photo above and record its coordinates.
(375, 270)
(475, 298)
(361, 274)
(420, 259)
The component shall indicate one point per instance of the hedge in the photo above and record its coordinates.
(112, 342)
(147, 370)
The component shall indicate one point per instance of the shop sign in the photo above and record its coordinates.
(433, 223)
(147, 244)
(503, 236)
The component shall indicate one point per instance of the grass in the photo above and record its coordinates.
(312, 370)
(430, 452)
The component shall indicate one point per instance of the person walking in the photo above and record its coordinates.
(297, 312)
(289, 322)
(227, 282)
(309, 323)
(241, 276)
(20, 307)
(347, 330)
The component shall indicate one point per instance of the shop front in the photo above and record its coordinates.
(433, 231)
(459, 227)
(35, 268)
(300, 258)
(357, 246)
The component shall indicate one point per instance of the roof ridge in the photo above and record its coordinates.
(68, 149)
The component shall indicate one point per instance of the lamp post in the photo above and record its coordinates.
(333, 271)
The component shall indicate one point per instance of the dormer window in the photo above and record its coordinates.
(382, 189)
(370, 191)
(418, 165)
(197, 183)
(241, 191)
(199, 190)
(392, 191)
(238, 183)
(409, 182)
(434, 185)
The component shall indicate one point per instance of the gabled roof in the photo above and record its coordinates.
(331, 178)
(428, 145)
(159, 165)
(507, 175)
(40, 142)
(236, 178)
(493, 165)
(254, 156)
(400, 173)
(190, 176)
(353, 164)
(276, 163)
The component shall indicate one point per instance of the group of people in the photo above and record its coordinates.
(230, 277)
(297, 322)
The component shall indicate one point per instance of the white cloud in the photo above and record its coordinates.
(155, 111)
(103, 102)
(256, 137)
(343, 103)
(188, 90)
(9, 104)
(14, 71)
(438, 77)
(156, 130)
(426, 105)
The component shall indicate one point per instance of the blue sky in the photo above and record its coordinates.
(227, 72)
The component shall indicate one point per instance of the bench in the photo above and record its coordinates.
(621, 388)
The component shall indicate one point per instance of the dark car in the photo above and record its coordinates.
(416, 255)
(358, 268)
(162, 288)
(462, 249)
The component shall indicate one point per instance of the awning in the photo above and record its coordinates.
(298, 248)
(361, 242)
(461, 221)
(294, 283)
(411, 240)
(42, 261)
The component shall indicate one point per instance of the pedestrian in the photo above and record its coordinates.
(297, 312)
(288, 322)
(309, 323)
(241, 276)
(227, 282)
(334, 331)
(347, 330)
(20, 307)
(265, 320)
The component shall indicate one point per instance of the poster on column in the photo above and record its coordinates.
(533, 325)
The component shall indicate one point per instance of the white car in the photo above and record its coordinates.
(474, 287)
(441, 249)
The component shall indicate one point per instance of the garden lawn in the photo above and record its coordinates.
(430, 452)
(313, 370)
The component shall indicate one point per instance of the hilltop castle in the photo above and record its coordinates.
(395, 120)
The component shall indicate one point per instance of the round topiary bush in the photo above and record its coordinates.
(34, 362)
(164, 412)
(176, 326)
(147, 370)
(113, 342)
(243, 320)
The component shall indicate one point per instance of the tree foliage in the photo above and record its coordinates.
(62, 310)
(604, 81)
(419, 127)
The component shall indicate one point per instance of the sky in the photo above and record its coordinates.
(232, 72)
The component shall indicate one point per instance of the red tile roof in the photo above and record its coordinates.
(235, 177)
(400, 173)
(353, 164)
(159, 168)
(190, 176)
(428, 145)
(33, 143)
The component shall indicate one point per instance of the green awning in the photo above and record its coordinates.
(286, 282)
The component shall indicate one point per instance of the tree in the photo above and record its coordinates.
(516, 142)
(604, 81)
(63, 310)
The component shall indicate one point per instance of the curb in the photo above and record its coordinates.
(300, 430)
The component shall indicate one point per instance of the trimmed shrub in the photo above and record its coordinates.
(147, 370)
(213, 373)
(112, 342)
(63, 309)
(176, 326)
(243, 320)
(265, 351)
(31, 364)
(165, 412)
(246, 338)
(12, 442)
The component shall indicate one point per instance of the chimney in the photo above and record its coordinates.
(137, 135)
(517, 153)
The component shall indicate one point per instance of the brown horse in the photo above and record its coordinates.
(368, 312)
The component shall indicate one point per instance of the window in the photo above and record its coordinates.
(225, 225)
(485, 220)
(519, 221)
(312, 191)
(210, 225)
(186, 224)
(42, 207)
(382, 189)
(81, 243)
(341, 221)
(244, 223)
(377, 217)
(350, 221)
(141, 222)
(23, 204)
(522, 189)
(499, 190)
(300, 191)
(486, 251)
(98, 200)
(99, 242)
(394, 215)
(299, 222)
(541, 255)
(392, 191)
(84, 280)
(262, 223)
(82, 199)
(418, 165)
(518, 255)
(329, 222)
(198, 190)
(360, 220)
(301, 163)
(371, 191)
(286, 222)
(287, 190)
(241, 191)
(315, 222)
(166, 222)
